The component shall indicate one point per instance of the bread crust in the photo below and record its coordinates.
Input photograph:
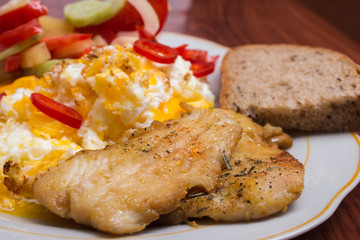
(292, 86)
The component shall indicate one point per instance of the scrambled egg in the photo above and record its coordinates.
(114, 89)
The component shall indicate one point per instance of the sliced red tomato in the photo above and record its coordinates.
(19, 34)
(126, 20)
(12, 63)
(21, 15)
(73, 50)
(201, 69)
(155, 51)
(60, 41)
(56, 110)
(3, 94)
(9, 76)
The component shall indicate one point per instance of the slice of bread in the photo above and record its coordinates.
(292, 86)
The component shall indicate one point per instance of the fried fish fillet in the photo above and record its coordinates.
(260, 180)
(124, 187)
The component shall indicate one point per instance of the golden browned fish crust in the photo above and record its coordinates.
(259, 180)
(124, 187)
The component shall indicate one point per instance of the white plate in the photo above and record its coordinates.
(332, 163)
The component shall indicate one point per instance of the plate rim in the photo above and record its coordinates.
(329, 208)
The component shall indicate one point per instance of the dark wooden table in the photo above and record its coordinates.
(327, 23)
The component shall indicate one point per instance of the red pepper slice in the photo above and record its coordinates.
(60, 41)
(201, 69)
(201, 63)
(155, 51)
(56, 110)
(21, 15)
(192, 55)
(19, 34)
(12, 63)
(3, 94)
(212, 58)
(181, 49)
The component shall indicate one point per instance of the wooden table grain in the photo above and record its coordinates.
(326, 23)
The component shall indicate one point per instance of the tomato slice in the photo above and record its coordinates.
(21, 15)
(56, 110)
(19, 34)
(73, 50)
(60, 41)
(201, 69)
(12, 63)
(155, 51)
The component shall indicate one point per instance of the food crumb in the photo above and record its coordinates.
(192, 224)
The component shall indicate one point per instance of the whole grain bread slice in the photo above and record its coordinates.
(292, 86)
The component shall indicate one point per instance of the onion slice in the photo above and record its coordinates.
(148, 15)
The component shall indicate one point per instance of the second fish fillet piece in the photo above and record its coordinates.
(260, 179)
(124, 187)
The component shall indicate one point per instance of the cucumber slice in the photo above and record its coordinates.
(91, 12)
(42, 68)
(19, 47)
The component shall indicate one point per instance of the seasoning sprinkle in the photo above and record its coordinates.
(270, 168)
(243, 172)
(226, 160)
(257, 161)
